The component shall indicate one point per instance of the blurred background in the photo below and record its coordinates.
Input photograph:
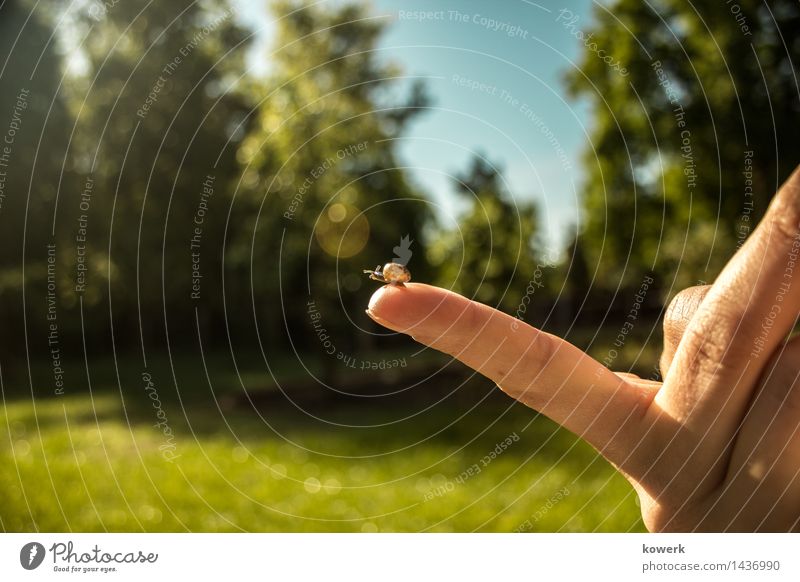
(189, 192)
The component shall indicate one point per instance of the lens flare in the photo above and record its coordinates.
(342, 231)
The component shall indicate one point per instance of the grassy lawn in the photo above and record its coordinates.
(91, 461)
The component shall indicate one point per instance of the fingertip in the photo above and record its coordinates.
(388, 304)
(404, 307)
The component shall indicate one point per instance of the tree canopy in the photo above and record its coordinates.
(688, 146)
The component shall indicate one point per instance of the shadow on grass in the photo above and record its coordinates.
(437, 402)
(255, 459)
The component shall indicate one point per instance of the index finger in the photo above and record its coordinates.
(535, 367)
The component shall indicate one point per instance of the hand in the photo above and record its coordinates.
(716, 446)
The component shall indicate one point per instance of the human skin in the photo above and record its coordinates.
(716, 445)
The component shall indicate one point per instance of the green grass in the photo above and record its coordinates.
(91, 462)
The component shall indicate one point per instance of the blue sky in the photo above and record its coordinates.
(520, 118)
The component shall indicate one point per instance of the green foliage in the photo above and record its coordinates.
(322, 196)
(665, 189)
(110, 162)
(491, 255)
(155, 115)
(76, 464)
(33, 116)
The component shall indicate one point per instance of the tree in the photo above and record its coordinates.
(156, 131)
(32, 149)
(492, 255)
(322, 195)
(692, 131)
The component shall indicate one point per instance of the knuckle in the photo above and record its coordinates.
(720, 339)
(785, 224)
(524, 367)
(676, 307)
(672, 316)
(681, 310)
(542, 350)
(525, 371)
(707, 349)
(673, 321)
(785, 209)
